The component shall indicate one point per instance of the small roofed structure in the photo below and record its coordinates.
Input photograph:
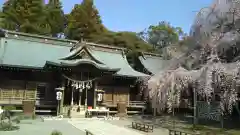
(152, 63)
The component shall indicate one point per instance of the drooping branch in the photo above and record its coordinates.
(166, 88)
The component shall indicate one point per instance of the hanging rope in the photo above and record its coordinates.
(73, 80)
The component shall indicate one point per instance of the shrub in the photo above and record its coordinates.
(9, 108)
(5, 114)
(7, 126)
(56, 133)
(17, 120)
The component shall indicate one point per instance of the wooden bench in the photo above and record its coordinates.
(142, 127)
(179, 132)
(88, 132)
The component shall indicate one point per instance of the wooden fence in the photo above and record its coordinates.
(13, 96)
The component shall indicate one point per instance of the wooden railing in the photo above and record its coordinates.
(13, 94)
(137, 103)
(46, 102)
(129, 104)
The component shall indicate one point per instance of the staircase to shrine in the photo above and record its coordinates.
(78, 112)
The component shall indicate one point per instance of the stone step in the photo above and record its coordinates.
(81, 112)
(78, 116)
(75, 108)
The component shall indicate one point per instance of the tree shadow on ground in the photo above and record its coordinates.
(185, 121)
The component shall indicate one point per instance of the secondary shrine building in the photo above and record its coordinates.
(33, 68)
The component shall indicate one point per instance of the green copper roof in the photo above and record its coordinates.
(39, 38)
(117, 60)
(33, 51)
(81, 61)
(14, 52)
(154, 64)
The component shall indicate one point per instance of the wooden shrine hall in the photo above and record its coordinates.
(33, 68)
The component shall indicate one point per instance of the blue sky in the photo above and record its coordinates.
(136, 15)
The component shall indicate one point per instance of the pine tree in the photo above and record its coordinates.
(25, 16)
(9, 19)
(84, 21)
(55, 17)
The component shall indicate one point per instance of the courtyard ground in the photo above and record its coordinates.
(103, 127)
(37, 127)
(78, 126)
(110, 127)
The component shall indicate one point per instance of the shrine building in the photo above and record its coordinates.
(34, 68)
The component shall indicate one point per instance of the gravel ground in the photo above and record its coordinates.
(77, 127)
(34, 127)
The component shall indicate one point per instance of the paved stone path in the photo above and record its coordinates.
(102, 127)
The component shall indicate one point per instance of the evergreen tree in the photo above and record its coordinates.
(55, 17)
(9, 19)
(25, 16)
(84, 21)
(94, 19)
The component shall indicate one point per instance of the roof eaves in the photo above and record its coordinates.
(131, 76)
(20, 66)
(151, 54)
(68, 63)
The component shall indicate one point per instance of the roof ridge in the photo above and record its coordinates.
(40, 36)
(74, 41)
(104, 46)
(119, 48)
(47, 43)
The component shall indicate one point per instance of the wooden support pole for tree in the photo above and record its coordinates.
(155, 105)
(194, 106)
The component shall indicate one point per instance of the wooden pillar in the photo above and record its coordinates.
(62, 100)
(80, 97)
(72, 96)
(95, 94)
(128, 98)
(86, 105)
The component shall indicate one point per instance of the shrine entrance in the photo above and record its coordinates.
(79, 92)
(81, 85)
